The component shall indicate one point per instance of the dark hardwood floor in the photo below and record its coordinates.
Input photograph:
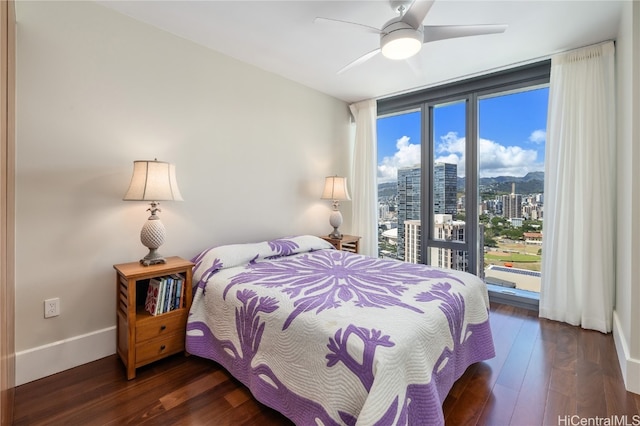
(543, 372)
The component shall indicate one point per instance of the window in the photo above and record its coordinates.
(399, 183)
(461, 177)
(511, 188)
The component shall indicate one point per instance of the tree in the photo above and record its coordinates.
(490, 242)
(532, 226)
(498, 221)
(514, 233)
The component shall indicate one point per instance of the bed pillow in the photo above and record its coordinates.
(212, 260)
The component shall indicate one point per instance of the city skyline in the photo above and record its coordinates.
(512, 136)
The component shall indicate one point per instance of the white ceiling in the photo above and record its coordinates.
(281, 37)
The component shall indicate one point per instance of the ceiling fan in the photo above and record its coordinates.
(404, 35)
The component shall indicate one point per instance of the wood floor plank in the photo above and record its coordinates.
(505, 326)
(566, 348)
(460, 385)
(515, 366)
(617, 399)
(499, 408)
(180, 395)
(589, 389)
(531, 414)
(559, 406)
(467, 410)
(563, 382)
(532, 401)
(543, 371)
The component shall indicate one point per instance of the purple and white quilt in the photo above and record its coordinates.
(329, 337)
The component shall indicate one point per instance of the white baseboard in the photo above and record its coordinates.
(630, 366)
(43, 361)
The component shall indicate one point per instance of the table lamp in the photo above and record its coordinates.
(335, 188)
(153, 181)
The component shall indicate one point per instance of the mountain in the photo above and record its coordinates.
(509, 179)
(531, 183)
(387, 189)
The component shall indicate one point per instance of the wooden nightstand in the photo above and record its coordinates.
(347, 243)
(142, 337)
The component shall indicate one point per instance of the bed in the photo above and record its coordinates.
(329, 337)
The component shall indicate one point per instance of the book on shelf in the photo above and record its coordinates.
(164, 294)
(160, 302)
(178, 298)
(167, 294)
(153, 295)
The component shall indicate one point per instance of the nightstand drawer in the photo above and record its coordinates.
(161, 325)
(159, 348)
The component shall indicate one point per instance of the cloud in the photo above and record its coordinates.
(407, 155)
(451, 143)
(494, 159)
(500, 160)
(451, 149)
(538, 136)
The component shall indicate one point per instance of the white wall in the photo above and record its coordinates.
(97, 90)
(627, 313)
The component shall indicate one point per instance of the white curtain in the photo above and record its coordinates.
(364, 194)
(578, 252)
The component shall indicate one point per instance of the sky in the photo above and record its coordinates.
(512, 136)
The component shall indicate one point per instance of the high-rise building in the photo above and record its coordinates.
(512, 204)
(447, 229)
(412, 241)
(408, 201)
(383, 211)
(445, 188)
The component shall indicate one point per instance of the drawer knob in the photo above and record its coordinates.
(163, 327)
(162, 348)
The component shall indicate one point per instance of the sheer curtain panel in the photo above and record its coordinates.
(578, 252)
(364, 192)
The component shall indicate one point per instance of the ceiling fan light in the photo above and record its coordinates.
(401, 44)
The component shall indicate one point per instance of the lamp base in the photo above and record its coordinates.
(152, 237)
(336, 235)
(335, 220)
(152, 258)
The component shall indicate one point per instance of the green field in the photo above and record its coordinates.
(519, 255)
(511, 257)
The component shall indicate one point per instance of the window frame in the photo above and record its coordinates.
(470, 90)
(529, 75)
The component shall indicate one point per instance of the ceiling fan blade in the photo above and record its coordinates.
(442, 32)
(360, 60)
(346, 24)
(416, 13)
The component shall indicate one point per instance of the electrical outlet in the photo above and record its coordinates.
(52, 307)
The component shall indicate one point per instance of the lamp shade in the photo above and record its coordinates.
(153, 181)
(335, 188)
